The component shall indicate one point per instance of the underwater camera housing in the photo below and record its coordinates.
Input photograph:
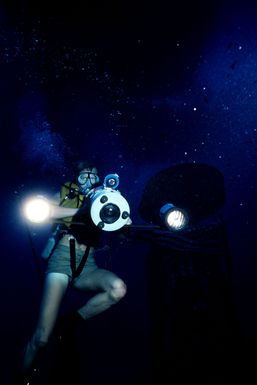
(109, 209)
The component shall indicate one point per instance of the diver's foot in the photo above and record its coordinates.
(28, 378)
(27, 374)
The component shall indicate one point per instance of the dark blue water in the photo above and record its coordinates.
(137, 88)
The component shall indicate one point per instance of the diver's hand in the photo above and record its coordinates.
(129, 221)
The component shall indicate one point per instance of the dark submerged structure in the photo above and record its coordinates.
(192, 319)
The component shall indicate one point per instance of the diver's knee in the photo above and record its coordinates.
(118, 290)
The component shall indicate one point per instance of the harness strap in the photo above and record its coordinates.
(77, 270)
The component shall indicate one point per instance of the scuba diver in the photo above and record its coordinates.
(72, 262)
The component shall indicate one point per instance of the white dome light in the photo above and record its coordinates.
(37, 210)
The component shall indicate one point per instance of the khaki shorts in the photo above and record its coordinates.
(60, 261)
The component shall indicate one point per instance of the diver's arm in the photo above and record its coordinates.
(58, 212)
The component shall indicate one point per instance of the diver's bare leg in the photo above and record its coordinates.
(54, 290)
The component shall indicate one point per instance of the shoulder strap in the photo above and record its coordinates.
(77, 270)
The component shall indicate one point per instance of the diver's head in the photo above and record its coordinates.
(87, 176)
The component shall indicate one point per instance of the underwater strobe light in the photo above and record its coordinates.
(109, 209)
(37, 209)
(173, 218)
